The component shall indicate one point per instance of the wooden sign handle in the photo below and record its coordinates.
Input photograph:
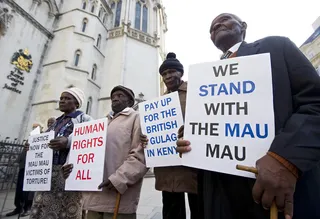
(116, 209)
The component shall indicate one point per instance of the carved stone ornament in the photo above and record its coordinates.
(5, 17)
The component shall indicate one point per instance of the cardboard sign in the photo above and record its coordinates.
(229, 113)
(38, 169)
(87, 154)
(160, 120)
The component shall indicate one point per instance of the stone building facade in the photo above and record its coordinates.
(50, 45)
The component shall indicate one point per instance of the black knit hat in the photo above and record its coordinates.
(126, 90)
(171, 62)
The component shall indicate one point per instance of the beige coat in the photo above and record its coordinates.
(177, 178)
(124, 165)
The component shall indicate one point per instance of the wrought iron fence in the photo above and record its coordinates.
(9, 154)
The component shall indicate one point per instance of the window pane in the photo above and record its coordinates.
(92, 9)
(76, 61)
(145, 19)
(84, 5)
(84, 25)
(137, 21)
(118, 14)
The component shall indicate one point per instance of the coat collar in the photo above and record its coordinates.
(126, 112)
(183, 87)
(248, 49)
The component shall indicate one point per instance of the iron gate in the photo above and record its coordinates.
(9, 154)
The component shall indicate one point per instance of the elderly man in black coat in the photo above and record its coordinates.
(289, 173)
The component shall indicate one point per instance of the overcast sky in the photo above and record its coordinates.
(189, 22)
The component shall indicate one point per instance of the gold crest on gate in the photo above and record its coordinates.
(22, 60)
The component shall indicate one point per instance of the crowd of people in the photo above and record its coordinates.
(289, 173)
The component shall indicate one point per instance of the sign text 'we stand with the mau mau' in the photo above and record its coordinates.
(87, 154)
(160, 120)
(38, 169)
(229, 113)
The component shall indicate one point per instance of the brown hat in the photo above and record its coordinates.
(126, 90)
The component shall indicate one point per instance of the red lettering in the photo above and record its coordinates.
(101, 126)
(75, 145)
(83, 175)
(85, 158)
(76, 131)
(88, 129)
(100, 142)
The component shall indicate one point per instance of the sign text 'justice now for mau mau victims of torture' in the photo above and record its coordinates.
(160, 120)
(87, 154)
(229, 115)
(38, 169)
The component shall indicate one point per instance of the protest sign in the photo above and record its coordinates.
(87, 154)
(38, 169)
(160, 120)
(229, 113)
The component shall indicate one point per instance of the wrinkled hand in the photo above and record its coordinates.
(183, 146)
(58, 143)
(144, 140)
(26, 146)
(274, 182)
(180, 132)
(106, 184)
(66, 170)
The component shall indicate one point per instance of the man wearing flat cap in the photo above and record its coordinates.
(175, 181)
(124, 161)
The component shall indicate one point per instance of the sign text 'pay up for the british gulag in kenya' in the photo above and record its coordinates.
(160, 120)
(38, 169)
(87, 154)
(229, 113)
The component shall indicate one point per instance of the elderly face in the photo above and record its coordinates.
(119, 101)
(172, 79)
(227, 30)
(67, 103)
(50, 122)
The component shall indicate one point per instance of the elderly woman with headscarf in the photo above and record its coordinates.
(59, 203)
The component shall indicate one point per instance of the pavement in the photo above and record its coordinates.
(150, 205)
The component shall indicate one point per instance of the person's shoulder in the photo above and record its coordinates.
(273, 40)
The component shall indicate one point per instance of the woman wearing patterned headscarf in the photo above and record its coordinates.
(59, 203)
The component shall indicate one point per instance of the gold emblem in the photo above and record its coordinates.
(22, 60)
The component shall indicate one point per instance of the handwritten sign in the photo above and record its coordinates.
(229, 113)
(160, 120)
(38, 169)
(87, 154)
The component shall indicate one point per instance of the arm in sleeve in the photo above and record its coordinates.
(134, 167)
(299, 140)
(85, 118)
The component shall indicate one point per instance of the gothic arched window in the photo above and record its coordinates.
(89, 106)
(98, 41)
(118, 14)
(105, 19)
(94, 72)
(92, 9)
(141, 16)
(84, 5)
(84, 24)
(100, 12)
(77, 56)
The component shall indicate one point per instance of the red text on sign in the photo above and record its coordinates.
(85, 158)
(83, 175)
(87, 143)
(88, 129)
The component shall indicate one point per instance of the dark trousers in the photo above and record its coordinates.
(174, 206)
(22, 200)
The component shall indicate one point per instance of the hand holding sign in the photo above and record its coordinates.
(66, 170)
(107, 184)
(58, 143)
(144, 140)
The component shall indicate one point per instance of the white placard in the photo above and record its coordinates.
(160, 120)
(35, 131)
(38, 169)
(229, 113)
(87, 154)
